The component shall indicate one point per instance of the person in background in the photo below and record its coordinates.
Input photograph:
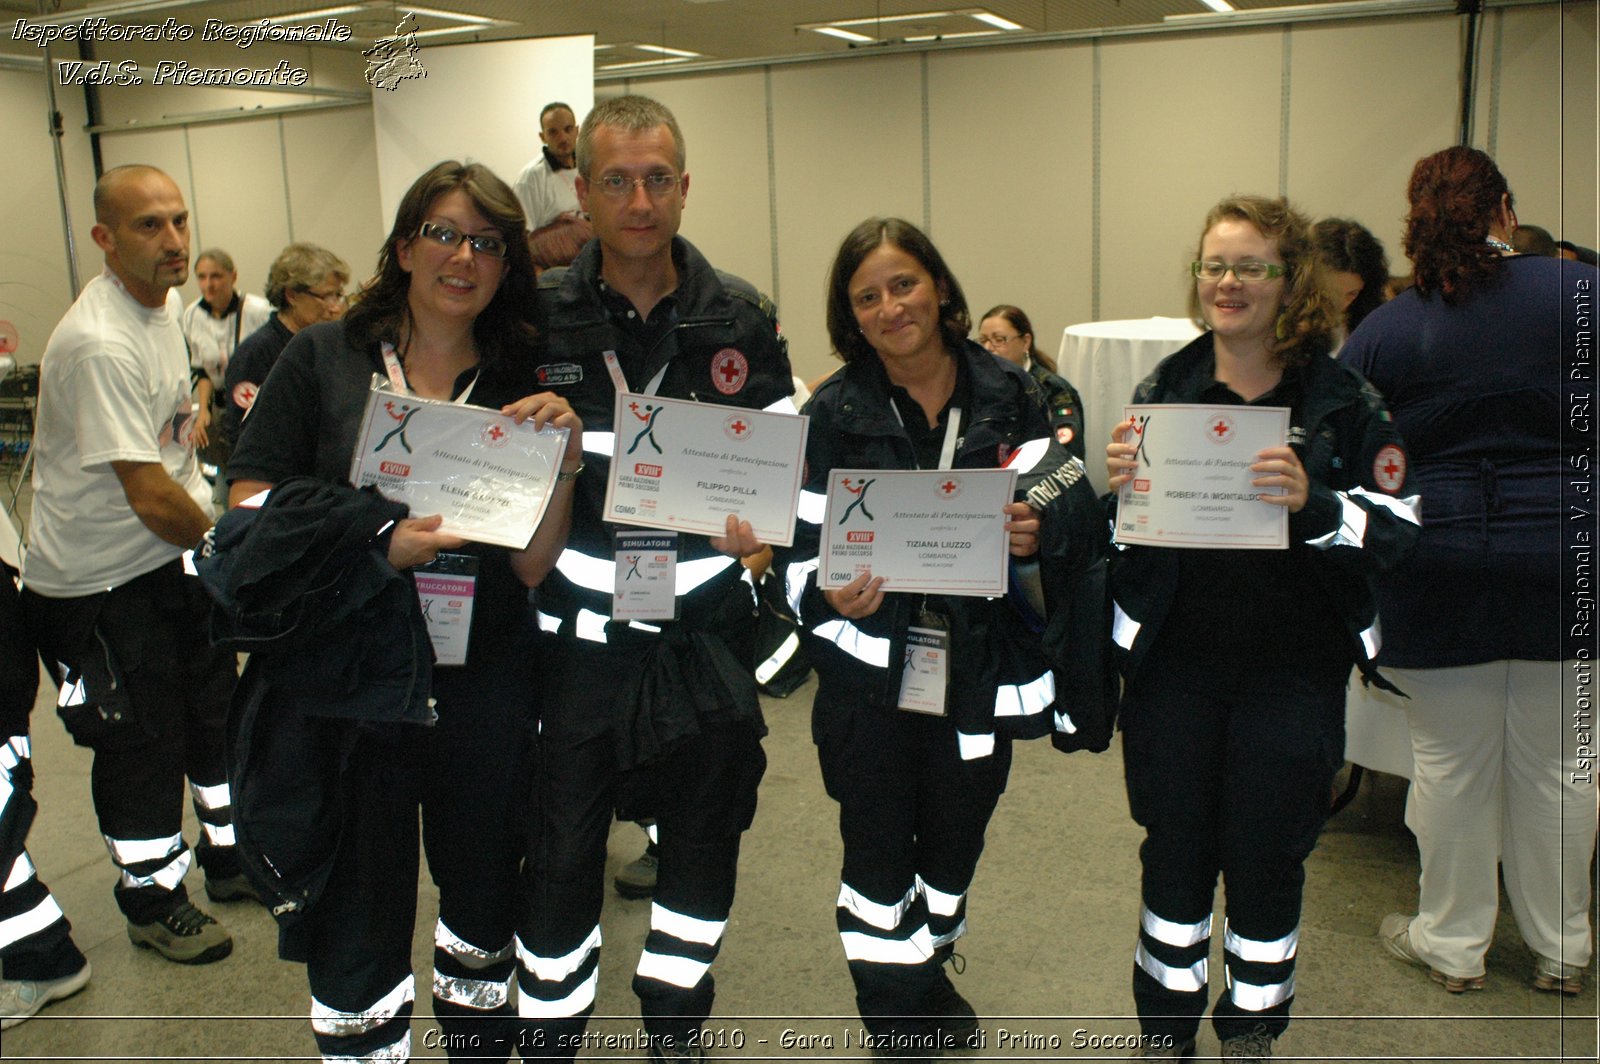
(449, 315)
(1533, 240)
(547, 190)
(1235, 662)
(916, 789)
(1356, 267)
(305, 285)
(1476, 362)
(214, 325)
(118, 500)
(1006, 331)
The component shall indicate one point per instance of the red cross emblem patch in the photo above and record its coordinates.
(729, 370)
(948, 488)
(244, 394)
(494, 434)
(1389, 468)
(1220, 428)
(737, 427)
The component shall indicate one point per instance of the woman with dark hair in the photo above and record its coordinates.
(449, 316)
(1006, 331)
(1234, 662)
(1475, 361)
(1356, 267)
(915, 791)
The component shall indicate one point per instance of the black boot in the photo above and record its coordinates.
(954, 1016)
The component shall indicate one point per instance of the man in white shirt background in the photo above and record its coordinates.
(546, 188)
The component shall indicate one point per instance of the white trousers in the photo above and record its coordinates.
(1502, 779)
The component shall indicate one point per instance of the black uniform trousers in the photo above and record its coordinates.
(1229, 770)
(702, 793)
(165, 722)
(912, 815)
(466, 773)
(35, 937)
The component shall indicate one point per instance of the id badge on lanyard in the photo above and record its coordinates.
(925, 674)
(446, 587)
(646, 559)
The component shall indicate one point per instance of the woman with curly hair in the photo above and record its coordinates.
(1234, 662)
(1356, 267)
(1474, 361)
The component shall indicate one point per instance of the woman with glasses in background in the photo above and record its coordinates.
(1235, 662)
(449, 315)
(1006, 331)
(305, 285)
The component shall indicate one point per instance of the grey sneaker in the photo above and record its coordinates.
(1556, 978)
(185, 935)
(21, 998)
(638, 878)
(1257, 1045)
(1395, 933)
(231, 888)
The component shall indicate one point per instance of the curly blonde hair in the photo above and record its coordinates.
(1307, 320)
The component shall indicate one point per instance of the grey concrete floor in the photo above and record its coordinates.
(1052, 921)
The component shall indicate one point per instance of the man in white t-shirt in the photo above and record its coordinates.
(546, 188)
(214, 325)
(118, 497)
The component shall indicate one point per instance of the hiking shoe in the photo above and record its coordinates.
(954, 1017)
(638, 878)
(1395, 933)
(1257, 1045)
(21, 998)
(232, 888)
(185, 935)
(1557, 978)
(1163, 1047)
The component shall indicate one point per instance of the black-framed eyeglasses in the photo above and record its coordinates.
(1213, 270)
(451, 237)
(620, 186)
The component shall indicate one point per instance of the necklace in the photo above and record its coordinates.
(1499, 245)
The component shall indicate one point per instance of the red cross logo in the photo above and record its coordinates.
(729, 371)
(1389, 468)
(1220, 429)
(495, 432)
(244, 394)
(949, 487)
(737, 427)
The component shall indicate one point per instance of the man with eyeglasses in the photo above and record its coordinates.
(119, 616)
(658, 716)
(547, 190)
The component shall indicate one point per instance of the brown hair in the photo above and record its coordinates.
(382, 310)
(1018, 320)
(1307, 319)
(1454, 195)
(848, 343)
(631, 114)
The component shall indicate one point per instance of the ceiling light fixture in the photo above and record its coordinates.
(1219, 5)
(843, 35)
(661, 49)
(995, 20)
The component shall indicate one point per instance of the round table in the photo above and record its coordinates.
(1104, 360)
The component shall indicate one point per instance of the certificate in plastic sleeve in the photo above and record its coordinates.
(939, 531)
(1192, 487)
(686, 466)
(489, 477)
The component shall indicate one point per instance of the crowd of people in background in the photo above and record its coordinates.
(1420, 482)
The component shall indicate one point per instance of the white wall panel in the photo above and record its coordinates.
(331, 200)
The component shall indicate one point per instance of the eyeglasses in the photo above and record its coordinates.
(332, 298)
(1212, 270)
(997, 340)
(620, 186)
(451, 237)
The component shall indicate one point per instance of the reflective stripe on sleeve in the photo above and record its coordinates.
(465, 952)
(132, 851)
(1124, 629)
(472, 993)
(1372, 639)
(940, 903)
(678, 971)
(218, 835)
(1407, 509)
(972, 747)
(555, 969)
(877, 914)
(1254, 998)
(795, 575)
(1025, 700)
(22, 870)
(863, 947)
(336, 1023)
(533, 1008)
(213, 797)
(1173, 934)
(1249, 949)
(1352, 528)
(1064, 723)
(1188, 980)
(167, 877)
(779, 658)
(687, 928)
(36, 919)
(871, 649)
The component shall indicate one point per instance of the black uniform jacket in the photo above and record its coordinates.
(720, 345)
(1356, 521)
(999, 681)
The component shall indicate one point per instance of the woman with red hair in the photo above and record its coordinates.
(1477, 362)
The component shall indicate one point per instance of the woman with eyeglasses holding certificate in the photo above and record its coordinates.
(1235, 661)
(449, 315)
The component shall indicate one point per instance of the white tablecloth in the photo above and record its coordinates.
(1104, 360)
(1375, 730)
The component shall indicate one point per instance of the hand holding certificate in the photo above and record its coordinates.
(1193, 484)
(488, 476)
(688, 466)
(929, 530)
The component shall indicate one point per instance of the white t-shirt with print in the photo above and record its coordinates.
(212, 339)
(113, 386)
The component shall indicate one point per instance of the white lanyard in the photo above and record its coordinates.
(952, 429)
(397, 375)
(620, 382)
